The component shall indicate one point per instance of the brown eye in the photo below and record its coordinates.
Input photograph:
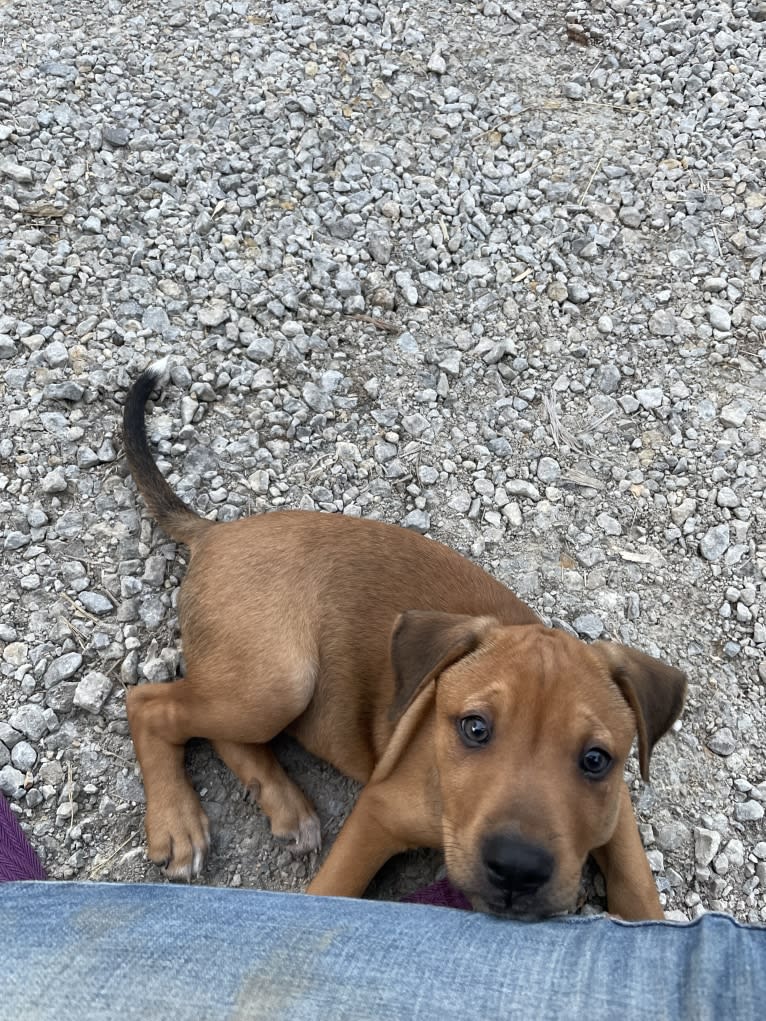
(595, 763)
(474, 730)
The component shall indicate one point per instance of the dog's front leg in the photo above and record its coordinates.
(631, 892)
(368, 838)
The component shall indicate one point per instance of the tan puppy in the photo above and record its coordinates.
(475, 728)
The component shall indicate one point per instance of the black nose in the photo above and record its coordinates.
(516, 866)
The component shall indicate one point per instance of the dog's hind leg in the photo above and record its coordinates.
(292, 817)
(242, 719)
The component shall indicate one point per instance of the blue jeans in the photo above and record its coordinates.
(85, 951)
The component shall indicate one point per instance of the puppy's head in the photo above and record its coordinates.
(533, 728)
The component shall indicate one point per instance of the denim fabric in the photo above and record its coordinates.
(85, 951)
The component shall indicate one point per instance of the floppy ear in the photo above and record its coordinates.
(654, 691)
(424, 643)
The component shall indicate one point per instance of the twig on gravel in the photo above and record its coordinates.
(70, 792)
(590, 180)
(99, 868)
(79, 610)
(717, 241)
(376, 321)
(114, 755)
(79, 637)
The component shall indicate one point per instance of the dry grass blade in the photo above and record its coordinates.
(100, 866)
(578, 478)
(79, 610)
(559, 434)
(70, 792)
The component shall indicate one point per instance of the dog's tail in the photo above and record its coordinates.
(172, 514)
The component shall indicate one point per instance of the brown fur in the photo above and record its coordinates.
(302, 622)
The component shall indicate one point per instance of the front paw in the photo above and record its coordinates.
(178, 837)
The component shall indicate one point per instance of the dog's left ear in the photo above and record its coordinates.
(654, 691)
(424, 643)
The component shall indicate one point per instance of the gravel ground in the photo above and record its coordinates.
(493, 271)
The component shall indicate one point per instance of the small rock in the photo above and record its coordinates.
(656, 860)
(118, 137)
(415, 424)
(557, 291)
(735, 852)
(8, 735)
(30, 720)
(748, 811)
(609, 524)
(62, 668)
(650, 397)
(214, 313)
(15, 653)
(437, 63)
(461, 501)
(129, 668)
(92, 691)
(519, 487)
(11, 781)
(577, 292)
(735, 413)
(16, 172)
(260, 349)
(380, 248)
(720, 318)
(316, 398)
(706, 844)
(451, 363)
(608, 379)
(548, 470)
(723, 742)
(630, 216)
(23, 756)
(259, 481)
(672, 836)
(726, 497)
(58, 69)
(662, 323)
(683, 511)
(95, 602)
(605, 325)
(418, 521)
(69, 391)
(55, 481)
(680, 258)
(60, 697)
(588, 625)
(7, 347)
(573, 90)
(715, 542)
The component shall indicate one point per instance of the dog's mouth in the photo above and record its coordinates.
(529, 906)
(519, 908)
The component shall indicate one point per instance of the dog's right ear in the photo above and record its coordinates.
(424, 643)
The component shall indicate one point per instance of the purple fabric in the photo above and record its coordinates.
(17, 859)
(442, 894)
